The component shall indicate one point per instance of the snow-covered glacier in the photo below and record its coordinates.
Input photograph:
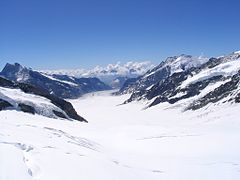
(122, 142)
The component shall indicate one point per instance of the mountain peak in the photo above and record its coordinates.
(11, 67)
(183, 62)
(171, 65)
(237, 52)
(16, 67)
(15, 72)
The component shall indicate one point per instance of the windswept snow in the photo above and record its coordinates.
(237, 52)
(186, 62)
(179, 64)
(122, 142)
(62, 81)
(225, 69)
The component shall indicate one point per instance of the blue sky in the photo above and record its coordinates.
(51, 34)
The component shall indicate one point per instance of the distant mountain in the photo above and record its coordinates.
(34, 100)
(162, 71)
(113, 75)
(195, 85)
(60, 85)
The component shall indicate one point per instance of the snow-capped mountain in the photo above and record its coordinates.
(125, 141)
(122, 143)
(162, 71)
(113, 75)
(215, 81)
(60, 85)
(34, 100)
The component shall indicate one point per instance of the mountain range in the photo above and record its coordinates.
(184, 80)
(193, 82)
(113, 75)
(62, 86)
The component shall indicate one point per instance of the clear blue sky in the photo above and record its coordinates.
(83, 33)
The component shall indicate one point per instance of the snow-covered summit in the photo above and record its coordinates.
(199, 84)
(178, 63)
(183, 62)
(113, 75)
(237, 52)
(16, 72)
(128, 69)
(166, 68)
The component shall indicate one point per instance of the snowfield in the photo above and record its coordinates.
(122, 142)
(226, 69)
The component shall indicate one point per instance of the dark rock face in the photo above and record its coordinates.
(218, 93)
(26, 108)
(167, 87)
(4, 104)
(10, 71)
(212, 63)
(166, 68)
(141, 83)
(127, 85)
(59, 114)
(61, 85)
(194, 89)
(237, 98)
(189, 91)
(164, 88)
(6, 83)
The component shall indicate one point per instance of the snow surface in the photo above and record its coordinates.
(187, 62)
(225, 69)
(122, 142)
(179, 64)
(41, 104)
(62, 81)
(237, 52)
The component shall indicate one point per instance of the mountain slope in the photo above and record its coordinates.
(59, 85)
(34, 100)
(162, 71)
(210, 82)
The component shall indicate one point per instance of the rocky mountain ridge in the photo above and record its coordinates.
(60, 85)
(34, 100)
(214, 81)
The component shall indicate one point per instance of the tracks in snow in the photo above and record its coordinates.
(33, 168)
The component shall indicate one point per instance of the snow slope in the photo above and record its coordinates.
(41, 105)
(225, 69)
(122, 142)
(161, 72)
(179, 64)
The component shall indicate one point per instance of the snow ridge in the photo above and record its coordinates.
(185, 78)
